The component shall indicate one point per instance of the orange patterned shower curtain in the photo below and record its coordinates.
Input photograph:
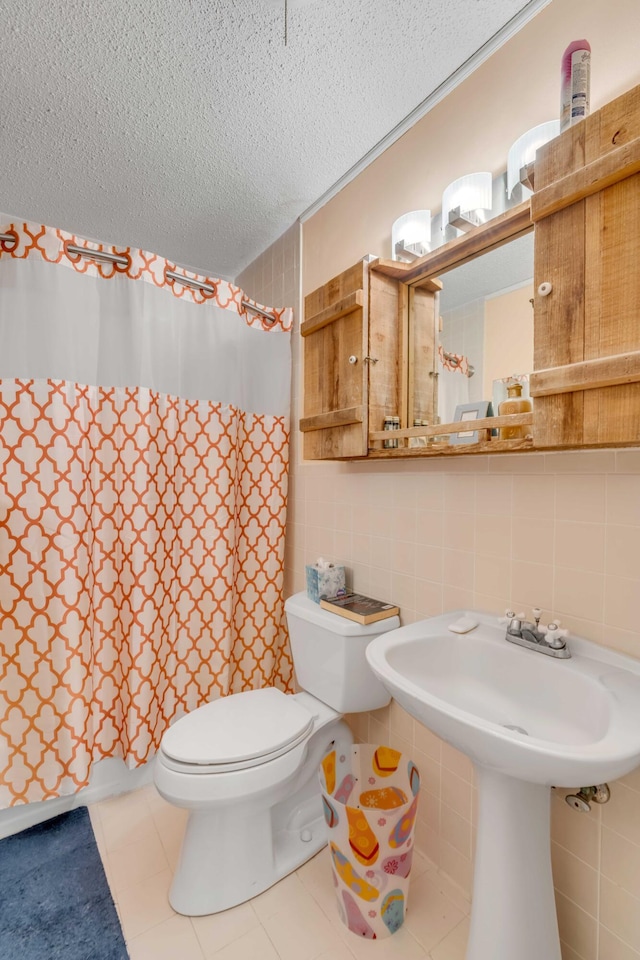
(141, 523)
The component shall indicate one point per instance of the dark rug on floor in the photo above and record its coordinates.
(55, 903)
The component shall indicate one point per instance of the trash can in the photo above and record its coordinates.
(370, 799)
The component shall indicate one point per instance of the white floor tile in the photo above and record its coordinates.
(139, 835)
(289, 892)
(170, 822)
(96, 825)
(175, 939)
(399, 946)
(124, 804)
(430, 916)
(252, 946)
(337, 953)
(420, 865)
(451, 891)
(144, 905)
(316, 877)
(220, 929)
(120, 829)
(301, 931)
(138, 861)
(150, 794)
(454, 945)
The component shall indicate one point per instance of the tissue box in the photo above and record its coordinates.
(324, 581)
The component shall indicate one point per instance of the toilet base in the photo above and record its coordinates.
(231, 853)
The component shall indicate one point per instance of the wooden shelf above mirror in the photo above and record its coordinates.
(503, 228)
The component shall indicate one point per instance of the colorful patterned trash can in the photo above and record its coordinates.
(370, 799)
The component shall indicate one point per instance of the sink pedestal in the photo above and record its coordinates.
(513, 913)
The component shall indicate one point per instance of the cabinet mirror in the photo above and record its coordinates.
(483, 332)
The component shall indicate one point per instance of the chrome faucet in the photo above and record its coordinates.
(548, 640)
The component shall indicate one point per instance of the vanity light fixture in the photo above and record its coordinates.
(523, 153)
(466, 201)
(411, 236)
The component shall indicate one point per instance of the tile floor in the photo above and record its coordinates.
(139, 838)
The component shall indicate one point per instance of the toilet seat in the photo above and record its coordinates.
(236, 732)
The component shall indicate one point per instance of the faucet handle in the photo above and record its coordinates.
(555, 636)
(508, 616)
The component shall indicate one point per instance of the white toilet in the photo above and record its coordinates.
(246, 766)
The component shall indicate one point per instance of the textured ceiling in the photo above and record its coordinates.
(188, 128)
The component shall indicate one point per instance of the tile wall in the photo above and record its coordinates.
(559, 531)
(273, 278)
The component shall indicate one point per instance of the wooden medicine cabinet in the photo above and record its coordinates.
(370, 334)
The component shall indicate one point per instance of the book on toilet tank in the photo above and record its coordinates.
(355, 606)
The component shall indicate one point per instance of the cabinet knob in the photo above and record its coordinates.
(353, 359)
(545, 289)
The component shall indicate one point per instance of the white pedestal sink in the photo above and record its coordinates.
(528, 722)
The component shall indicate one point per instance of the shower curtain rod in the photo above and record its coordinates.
(451, 357)
(171, 274)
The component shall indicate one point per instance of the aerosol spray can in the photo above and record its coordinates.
(576, 78)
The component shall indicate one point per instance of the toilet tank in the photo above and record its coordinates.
(329, 656)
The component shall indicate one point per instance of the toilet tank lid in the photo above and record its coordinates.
(299, 605)
(240, 727)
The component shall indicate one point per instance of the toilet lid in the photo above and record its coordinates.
(238, 728)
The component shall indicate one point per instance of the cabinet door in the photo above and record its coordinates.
(587, 214)
(612, 278)
(559, 254)
(335, 393)
(387, 350)
(355, 361)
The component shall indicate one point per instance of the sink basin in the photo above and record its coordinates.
(528, 721)
(569, 722)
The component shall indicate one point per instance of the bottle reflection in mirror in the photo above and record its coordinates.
(515, 402)
(390, 423)
(419, 441)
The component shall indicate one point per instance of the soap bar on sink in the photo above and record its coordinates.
(463, 625)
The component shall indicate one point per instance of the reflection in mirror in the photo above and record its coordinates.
(486, 327)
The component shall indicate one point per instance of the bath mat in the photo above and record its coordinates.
(55, 903)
